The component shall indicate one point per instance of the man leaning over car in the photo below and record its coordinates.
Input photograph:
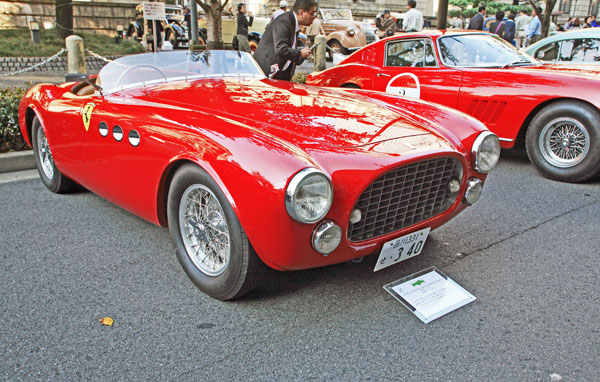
(277, 54)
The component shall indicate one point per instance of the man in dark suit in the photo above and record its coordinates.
(277, 54)
(476, 22)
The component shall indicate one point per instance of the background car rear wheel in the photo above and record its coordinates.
(171, 37)
(212, 246)
(335, 47)
(563, 141)
(253, 45)
(53, 179)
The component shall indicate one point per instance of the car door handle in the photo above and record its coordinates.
(383, 74)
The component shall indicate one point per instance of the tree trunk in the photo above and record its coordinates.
(213, 9)
(64, 18)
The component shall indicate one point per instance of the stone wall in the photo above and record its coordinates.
(99, 17)
(14, 64)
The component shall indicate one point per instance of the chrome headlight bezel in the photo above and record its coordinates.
(291, 195)
(350, 31)
(487, 143)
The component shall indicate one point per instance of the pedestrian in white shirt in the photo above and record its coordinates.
(413, 19)
(521, 23)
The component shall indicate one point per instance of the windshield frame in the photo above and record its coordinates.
(110, 73)
(522, 57)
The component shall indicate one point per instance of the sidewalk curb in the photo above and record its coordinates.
(17, 161)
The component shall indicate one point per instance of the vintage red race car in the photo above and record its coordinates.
(551, 109)
(247, 171)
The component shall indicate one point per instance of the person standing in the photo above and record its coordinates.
(534, 29)
(476, 22)
(276, 53)
(413, 19)
(282, 9)
(521, 23)
(459, 23)
(242, 28)
(510, 28)
(313, 30)
(385, 23)
(498, 27)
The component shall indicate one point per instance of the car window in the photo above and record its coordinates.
(479, 50)
(580, 50)
(412, 53)
(548, 52)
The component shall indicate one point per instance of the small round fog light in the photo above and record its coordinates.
(326, 237)
(453, 186)
(473, 192)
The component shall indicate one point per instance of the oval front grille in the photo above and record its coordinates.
(405, 196)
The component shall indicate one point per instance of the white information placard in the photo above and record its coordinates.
(154, 11)
(429, 294)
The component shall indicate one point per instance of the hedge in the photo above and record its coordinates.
(10, 135)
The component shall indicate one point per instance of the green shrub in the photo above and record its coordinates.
(300, 78)
(10, 135)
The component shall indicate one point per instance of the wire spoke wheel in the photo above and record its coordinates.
(204, 230)
(45, 155)
(564, 142)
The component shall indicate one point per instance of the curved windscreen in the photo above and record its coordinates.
(140, 69)
(480, 50)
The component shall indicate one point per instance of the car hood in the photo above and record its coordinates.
(303, 115)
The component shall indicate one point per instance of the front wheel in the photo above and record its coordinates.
(52, 178)
(212, 246)
(563, 141)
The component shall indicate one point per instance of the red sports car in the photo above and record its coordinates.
(247, 171)
(552, 109)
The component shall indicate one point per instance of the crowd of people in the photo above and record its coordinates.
(522, 30)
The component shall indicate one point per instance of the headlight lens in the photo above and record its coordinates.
(326, 237)
(308, 196)
(351, 31)
(485, 152)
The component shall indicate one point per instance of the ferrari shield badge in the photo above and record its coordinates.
(86, 114)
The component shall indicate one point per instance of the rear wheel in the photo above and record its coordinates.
(212, 246)
(351, 86)
(563, 141)
(334, 47)
(172, 38)
(53, 179)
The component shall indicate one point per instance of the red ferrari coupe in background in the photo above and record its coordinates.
(247, 171)
(552, 109)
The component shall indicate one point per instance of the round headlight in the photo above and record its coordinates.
(308, 196)
(326, 237)
(473, 191)
(351, 31)
(485, 152)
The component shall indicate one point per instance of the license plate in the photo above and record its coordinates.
(402, 248)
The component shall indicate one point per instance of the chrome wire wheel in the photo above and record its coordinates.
(45, 154)
(204, 230)
(564, 142)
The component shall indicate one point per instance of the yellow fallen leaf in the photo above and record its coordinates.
(107, 321)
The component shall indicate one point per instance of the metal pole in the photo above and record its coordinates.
(154, 35)
(442, 14)
(194, 9)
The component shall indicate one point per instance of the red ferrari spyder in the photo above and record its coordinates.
(247, 171)
(552, 109)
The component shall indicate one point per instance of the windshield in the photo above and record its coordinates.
(146, 68)
(337, 14)
(480, 50)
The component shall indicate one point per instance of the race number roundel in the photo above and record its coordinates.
(404, 84)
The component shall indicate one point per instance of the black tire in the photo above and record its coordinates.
(334, 46)
(243, 269)
(563, 141)
(351, 86)
(171, 37)
(52, 178)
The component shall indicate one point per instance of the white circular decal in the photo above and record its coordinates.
(404, 84)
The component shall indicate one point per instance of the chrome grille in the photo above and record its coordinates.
(370, 36)
(405, 196)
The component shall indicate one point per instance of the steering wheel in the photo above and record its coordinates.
(156, 68)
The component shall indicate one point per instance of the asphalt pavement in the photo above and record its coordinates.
(528, 250)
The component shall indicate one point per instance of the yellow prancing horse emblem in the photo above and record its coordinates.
(86, 114)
